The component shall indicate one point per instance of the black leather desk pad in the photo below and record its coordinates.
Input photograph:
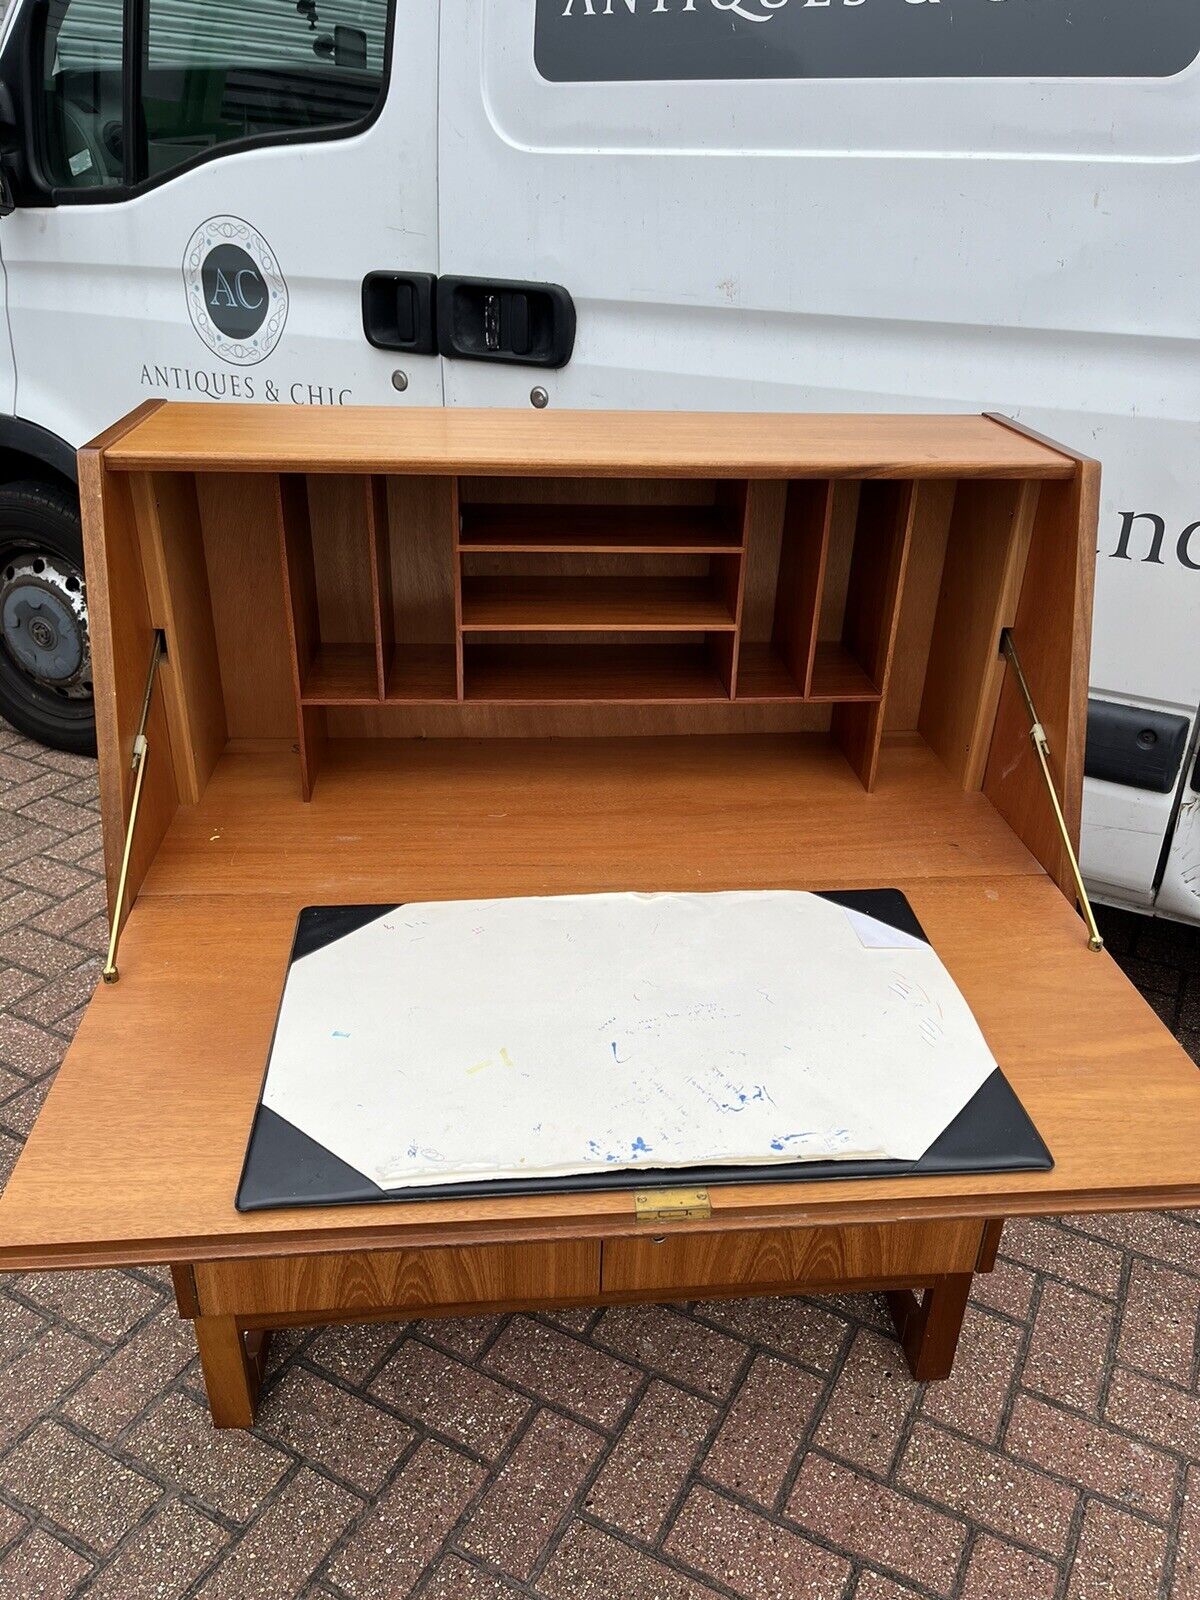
(284, 1167)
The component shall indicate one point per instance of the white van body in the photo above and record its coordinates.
(831, 205)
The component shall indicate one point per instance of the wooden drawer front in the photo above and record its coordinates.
(406, 1279)
(790, 1257)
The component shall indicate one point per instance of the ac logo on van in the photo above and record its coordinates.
(236, 295)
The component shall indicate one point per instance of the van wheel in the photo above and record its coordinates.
(45, 653)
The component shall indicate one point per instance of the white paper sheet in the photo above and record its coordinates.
(457, 1040)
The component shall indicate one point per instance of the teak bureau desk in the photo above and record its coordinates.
(422, 654)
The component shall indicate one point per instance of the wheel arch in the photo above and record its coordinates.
(27, 450)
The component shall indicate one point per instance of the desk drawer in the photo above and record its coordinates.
(789, 1258)
(405, 1279)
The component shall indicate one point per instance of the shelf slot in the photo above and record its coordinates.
(597, 674)
(423, 674)
(802, 557)
(599, 529)
(302, 615)
(606, 605)
(382, 602)
(882, 537)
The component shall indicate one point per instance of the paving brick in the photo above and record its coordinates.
(10, 1149)
(564, 1370)
(988, 1488)
(456, 1579)
(642, 1478)
(41, 1567)
(680, 1348)
(325, 1424)
(90, 937)
(163, 1558)
(874, 1586)
(230, 1471)
(53, 812)
(752, 1556)
(21, 1111)
(131, 1378)
(1118, 1554)
(1092, 1456)
(802, 1329)
(37, 952)
(11, 1083)
(27, 839)
(1168, 1239)
(441, 1393)
(538, 1483)
(104, 1304)
(54, 878)
(65, 915)
(863, 1307)
(20, 1325)
(88, 1493)
(27, 1047)
(590, 1565)
(21, 907)
(865, 1416)
(763, 1429)
(407, 1525)
(11, 1524)
(39, 1377)
(1049, 1247)
(287, 1543)
(1185, 1583)
(1159, 1412)
(999, 1571)
(1159, 1321)
(15, 984)
(352, 1352)
(57, 999)
(462, 1336)
(878, 1524)
(575, 1319)
(34, 783)
(1068, 1347)
(975, 1394)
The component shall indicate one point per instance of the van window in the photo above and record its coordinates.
(83, 88)
(207, 74)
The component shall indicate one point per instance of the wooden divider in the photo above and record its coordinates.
(611, 594)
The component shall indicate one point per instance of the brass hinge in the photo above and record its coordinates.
(672, 1205)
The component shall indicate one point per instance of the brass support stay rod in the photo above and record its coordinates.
(1037, 737)
(141, 750)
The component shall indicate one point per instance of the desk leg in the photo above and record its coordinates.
(233, 1364)
(928, 1327)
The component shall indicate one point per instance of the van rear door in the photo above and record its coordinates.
(204, 200)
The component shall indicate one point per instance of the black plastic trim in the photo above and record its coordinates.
(39, 444)
(1131, 745)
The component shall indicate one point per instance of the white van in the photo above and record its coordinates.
(714, 204)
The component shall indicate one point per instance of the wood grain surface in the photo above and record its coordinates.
(553, 443)
(137, 1151)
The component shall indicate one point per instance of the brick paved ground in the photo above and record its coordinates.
(770, 1450)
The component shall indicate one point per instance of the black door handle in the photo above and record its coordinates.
(398, 311)
(488, 319)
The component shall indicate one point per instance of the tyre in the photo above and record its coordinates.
(45, 653)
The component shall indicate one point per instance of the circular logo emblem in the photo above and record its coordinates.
(236, 295)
